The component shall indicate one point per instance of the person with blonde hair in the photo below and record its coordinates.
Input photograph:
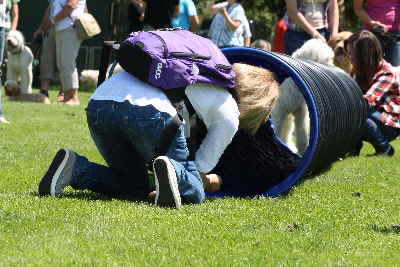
(261, 44)
(128, 119)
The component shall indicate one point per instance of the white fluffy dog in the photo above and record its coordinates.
(291, 104)
(88, 78)
(19, 65)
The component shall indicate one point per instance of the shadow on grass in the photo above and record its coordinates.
(92, 196)
(391, 229)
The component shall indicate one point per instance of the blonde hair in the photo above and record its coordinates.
(256, 91)
(261, 44)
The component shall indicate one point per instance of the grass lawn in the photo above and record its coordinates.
(347, 216)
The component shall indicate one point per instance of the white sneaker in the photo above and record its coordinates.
(3, 120)
(167, 192)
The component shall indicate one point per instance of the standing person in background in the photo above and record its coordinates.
(186, 17)
(310, 19)
(136, 9)
(226, 27)
(159, 13)
(380, 83)
(278, 40)
(3, 21)
(382, 17)
(48, 63)
(62, 16)
(12, 13)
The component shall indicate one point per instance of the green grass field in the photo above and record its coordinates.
(347, 216)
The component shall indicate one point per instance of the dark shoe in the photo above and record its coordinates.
(355, 151)
(167, 193)
(389, 152)
(59, 174)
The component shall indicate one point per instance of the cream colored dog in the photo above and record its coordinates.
(291, 106)
(19, 65)
(88, 78)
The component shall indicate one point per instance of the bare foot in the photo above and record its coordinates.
(60, 96)
(71, 102)
(152, 194)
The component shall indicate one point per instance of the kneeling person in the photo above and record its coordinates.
(127, 119)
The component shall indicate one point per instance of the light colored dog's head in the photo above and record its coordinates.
(341, 60)
(12, 88)
(315, 50)
(15, 42)
(88, 78)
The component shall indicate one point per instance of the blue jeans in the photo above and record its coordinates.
(295, 39)
(2, 47)
(127, 137)
(391, 48)
(377, 133)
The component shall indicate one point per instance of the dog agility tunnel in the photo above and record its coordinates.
(336, 109)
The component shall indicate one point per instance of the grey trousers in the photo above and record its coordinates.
(67, 49)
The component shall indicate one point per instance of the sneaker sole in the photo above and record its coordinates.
(166, 184)
(47, 185)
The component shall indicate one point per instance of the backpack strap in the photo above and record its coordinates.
(106, 53)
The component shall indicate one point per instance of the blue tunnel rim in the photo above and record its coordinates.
(276, 64)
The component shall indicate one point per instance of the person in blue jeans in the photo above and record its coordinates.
(380, 82)
(3, 22)
(129, 119)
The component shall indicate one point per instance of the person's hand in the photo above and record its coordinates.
(37, 33)
(379, 27)
(317, 35)
(211, 182)
(222, 10)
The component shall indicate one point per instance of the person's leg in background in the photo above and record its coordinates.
(48, 63)
(67, 47)
(2, 46)
(379, 134)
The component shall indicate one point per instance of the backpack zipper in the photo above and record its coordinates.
(164, 44)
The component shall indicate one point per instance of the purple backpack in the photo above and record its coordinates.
(174, 58)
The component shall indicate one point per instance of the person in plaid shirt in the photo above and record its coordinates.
(380, 82)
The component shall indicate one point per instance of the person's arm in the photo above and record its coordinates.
(194, 23)
(218, 110)
(14, 16)
(192, 14)
(298, 18)
(379, 89)
(44, 24)
(65, 12)
(231, 23)
(333, 18)
(358, 7)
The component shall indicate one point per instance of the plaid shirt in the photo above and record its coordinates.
(384, 94)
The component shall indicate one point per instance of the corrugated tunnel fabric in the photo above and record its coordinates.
(263, 165)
